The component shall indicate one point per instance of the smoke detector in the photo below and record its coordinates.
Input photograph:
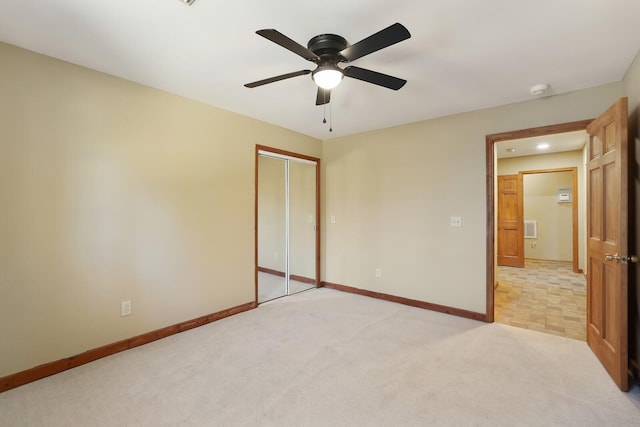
(540, 89)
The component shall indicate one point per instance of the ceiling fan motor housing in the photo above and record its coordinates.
(328, 47)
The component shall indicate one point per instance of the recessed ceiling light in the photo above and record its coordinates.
(511, 150)
(540, 89)
(542, 146)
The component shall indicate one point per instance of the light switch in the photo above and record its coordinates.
(333, 219)
(456, 221)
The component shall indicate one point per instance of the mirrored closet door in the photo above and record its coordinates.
(287, 232)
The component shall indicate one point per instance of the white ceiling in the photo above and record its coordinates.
(463, 54)
(556, 143)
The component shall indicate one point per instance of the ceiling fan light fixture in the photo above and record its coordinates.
(327, 76)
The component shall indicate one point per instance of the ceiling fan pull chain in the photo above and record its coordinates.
(330, 118)
(324, 107)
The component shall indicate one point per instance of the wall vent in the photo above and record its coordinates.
(530, 229)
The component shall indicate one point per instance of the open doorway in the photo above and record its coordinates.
(547, 292)
(607, 232)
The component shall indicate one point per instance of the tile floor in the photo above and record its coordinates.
(545, 296)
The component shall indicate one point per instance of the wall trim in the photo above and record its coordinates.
(407, 301)
(47, 369)
(295, 277)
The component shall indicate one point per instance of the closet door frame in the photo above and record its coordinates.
(276, 152)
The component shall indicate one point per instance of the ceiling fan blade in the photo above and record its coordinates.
(391, 35)
(323, 96)
(277, 78)
(374, 77)
(284, 41)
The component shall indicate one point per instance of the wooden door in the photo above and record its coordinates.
(607, 208)
(510, 221)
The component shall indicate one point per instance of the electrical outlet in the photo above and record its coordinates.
(125, 308)
(455, 221)
(378, 272)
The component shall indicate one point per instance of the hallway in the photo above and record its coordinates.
(545, 296)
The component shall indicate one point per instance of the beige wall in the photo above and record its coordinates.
(111, 191)
(393, 191)
(631, 85)
(554, 220)
(553, 161)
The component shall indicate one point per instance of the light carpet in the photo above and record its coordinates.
(327, 358)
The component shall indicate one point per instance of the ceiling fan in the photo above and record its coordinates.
(328, 50)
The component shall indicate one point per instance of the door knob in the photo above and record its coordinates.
(609, 257)
(624, 259)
